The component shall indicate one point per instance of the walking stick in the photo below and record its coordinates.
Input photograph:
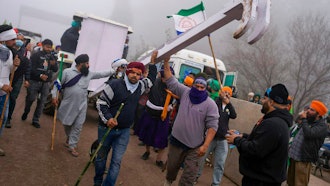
(98, 147)
(54, 124)
(7, 97)
(55, 109)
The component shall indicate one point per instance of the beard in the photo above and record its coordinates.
(84, 70)
(311, 117)
(264, 108)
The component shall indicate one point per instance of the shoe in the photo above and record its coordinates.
(73, 152)
(196, 181)
(2, 152)
(145, 156)
(36, 125)
(24, 116)
(8, 125)
(160, 164)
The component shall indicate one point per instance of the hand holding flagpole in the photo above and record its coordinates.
(57, 83)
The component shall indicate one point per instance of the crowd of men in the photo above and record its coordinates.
(199, 126)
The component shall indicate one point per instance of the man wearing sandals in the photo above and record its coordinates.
(73, 108)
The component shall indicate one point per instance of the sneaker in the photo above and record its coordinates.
(196, 181)
(8, 125)
(24, 116)
(2, 152)
(145, 156)
(36, 125)
(160, 164)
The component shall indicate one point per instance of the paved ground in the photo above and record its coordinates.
(29, 160)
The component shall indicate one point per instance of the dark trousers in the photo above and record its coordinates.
(13, 96)
(36, 89)
(247, 181)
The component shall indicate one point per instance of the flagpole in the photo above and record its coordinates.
(214, 59)
(59, 77)
(215, 63)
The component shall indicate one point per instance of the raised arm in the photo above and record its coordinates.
(167, 70)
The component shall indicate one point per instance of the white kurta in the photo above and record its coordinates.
(5, 69)
(73, 107)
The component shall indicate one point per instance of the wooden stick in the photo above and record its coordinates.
(12, 72)
(54, 123)
(56, 106)
(98, 147)
(215, 63)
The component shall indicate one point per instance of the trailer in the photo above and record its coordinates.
(102, 39)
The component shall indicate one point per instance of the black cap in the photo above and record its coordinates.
(278, 93)
(82, 58)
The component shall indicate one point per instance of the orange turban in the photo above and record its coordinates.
(188, 81)
(227, 89)
(319, 107)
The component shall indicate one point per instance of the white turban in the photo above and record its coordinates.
(118, 62)
(8, 35)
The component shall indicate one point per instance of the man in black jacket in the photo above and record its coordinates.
(306, 144)
(264, 153)
(43, 65)
(69, 39)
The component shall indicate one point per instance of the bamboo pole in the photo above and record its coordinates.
(56, 106)
(215, 63)
(54, 124)
(98, 147)
(214, 59)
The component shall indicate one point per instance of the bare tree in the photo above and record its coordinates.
(259, 66)
(309, 56)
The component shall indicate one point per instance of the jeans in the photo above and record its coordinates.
(117, 139)
(220, 150)
(13, 96)
(2, 102)
(33, 91)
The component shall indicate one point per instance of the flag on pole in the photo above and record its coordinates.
(186, 19)
(57, 82)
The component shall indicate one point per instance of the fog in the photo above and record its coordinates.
(146, 17)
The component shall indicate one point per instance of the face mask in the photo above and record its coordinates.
(120, 74)
(19, 43)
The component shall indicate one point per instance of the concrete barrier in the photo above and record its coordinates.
(248, 114)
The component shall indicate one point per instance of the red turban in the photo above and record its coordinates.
(135, 66)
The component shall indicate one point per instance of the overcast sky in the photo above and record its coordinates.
(146, 17)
